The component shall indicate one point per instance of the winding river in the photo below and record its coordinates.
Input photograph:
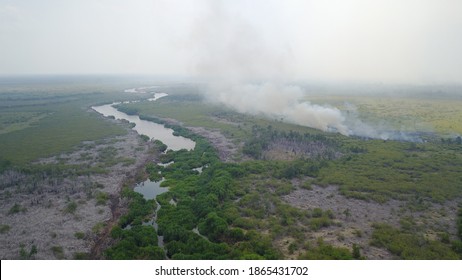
(151, 129)
(148, 189)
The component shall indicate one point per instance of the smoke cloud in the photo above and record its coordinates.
(251, 71)
(233, 55)
(288, 104)
(281, 102)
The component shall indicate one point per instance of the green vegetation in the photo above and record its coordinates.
(4, 165)
(189, 112)
(4, 229)
(325, 251)
(457, 244)
(44, 119)
(239, 210)
(221, 212)
(248, 200)
(12, 121)
(161, 147)
(98, 228)
(139, 208)
(81, 256)
(154, 172)
(370, 170)
(135, 240)
(138, 242)
(404, 171)
(145, 138)
(459, 223)
(421, 112)
(321, 218)
(25, 254)
(374, 169)
(101, 198)
(79, 235)
(58, 252)
(71, 207)
(16, 208)
(410, 245)
(356, 252)
(65, 126)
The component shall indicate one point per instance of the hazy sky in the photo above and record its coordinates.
(412, 41)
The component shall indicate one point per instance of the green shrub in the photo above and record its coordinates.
(79, 235)
(58, 252)
(27, 255)
(81, 256)
(410, 246)
(101, 198)
(16, 208)
(4, 229)
(71, 207)
(325, 251)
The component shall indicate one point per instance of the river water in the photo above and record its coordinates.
(151, 129)
(148, 188)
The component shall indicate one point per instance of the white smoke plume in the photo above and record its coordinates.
(250, 71)
(281, 102)
(233, 56)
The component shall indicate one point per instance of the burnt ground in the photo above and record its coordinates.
(354, 218)
(227, 150)
(66, 215)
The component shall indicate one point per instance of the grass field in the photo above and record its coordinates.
(63, 127)
(39, 120)
(12, 121)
